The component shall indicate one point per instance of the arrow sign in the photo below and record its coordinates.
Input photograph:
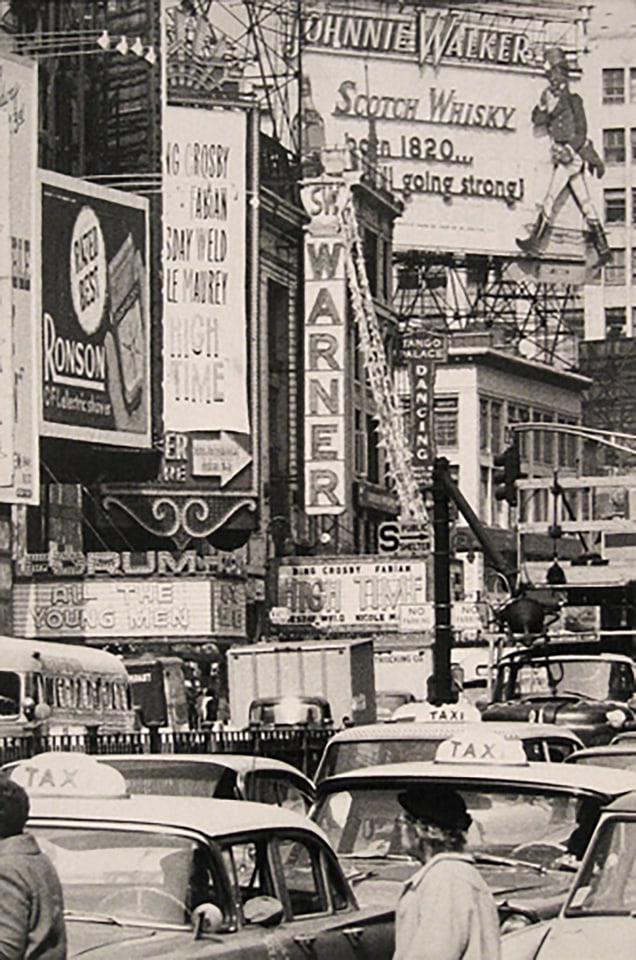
(219, 457)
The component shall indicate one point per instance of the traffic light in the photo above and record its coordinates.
(508, 472)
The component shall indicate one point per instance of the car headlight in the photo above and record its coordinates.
(616, 718)
(516, 921)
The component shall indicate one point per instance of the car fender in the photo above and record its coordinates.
(525, 944)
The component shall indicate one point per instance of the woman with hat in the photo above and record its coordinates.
(445, 911)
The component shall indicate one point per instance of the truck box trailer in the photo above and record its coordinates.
(340, 670)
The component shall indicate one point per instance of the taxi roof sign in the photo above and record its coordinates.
(59, 774)
(482, 748)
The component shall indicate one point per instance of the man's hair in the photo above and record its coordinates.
(14, 807)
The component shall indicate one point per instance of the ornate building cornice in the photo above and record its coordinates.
(177, 515)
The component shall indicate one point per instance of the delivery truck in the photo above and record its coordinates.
(340, 671)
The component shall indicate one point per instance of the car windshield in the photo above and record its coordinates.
(128, 875)
(528, 824)
(607, 882)
(584, 677)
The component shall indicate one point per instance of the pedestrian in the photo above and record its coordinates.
(31, 904)
(561, 114)
(445, 911)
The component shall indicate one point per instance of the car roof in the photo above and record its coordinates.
(239, 762)
(606, 750)
(206, 815)
(301, 697)
(601, 780)
(553, 653)
(624, 804)
(416, 729)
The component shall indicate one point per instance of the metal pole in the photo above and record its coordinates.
(439, 685)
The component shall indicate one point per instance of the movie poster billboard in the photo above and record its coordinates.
(442, 99)
(19, 384)
(95, 313)
(204, 259)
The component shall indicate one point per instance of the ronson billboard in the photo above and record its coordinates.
(95, 313)
(443, 97)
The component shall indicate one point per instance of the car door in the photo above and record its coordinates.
(322, 921)
(319, 917)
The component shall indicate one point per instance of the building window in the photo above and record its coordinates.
(632, 84)
(615, 318)
(520, 415)
(615, 270)
(484, 437)
(446, 421)
(370, 252)
(373, 460)
(633, 264)
(613, 85)
(614, 146)
(495, 427)
(360, 446)
(615, 205)
(632, 135)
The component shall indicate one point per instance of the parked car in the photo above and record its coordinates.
(598, 917)
(530, 820)
(621, 756)
(203, 879)
(222, 775)
(592, 693)
(375, 743)
(297, 711)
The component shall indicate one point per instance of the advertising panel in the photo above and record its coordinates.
(349, 592)
(95, 313)
(324, 353)
(204, 259)
(129, 608)
(19, 383)
(442, 99)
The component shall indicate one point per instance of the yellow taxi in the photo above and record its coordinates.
(527, 833)
(190, 877)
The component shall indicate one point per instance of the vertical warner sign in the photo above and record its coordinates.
(324, 348)
(19, 387)
(204, 244)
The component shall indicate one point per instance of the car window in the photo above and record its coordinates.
(303, 877)
(248, 865)
(181, 779)
(129, 874)
(607, 883)
(277, 789)
(586, 678)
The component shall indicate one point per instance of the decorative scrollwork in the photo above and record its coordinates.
(179, 516)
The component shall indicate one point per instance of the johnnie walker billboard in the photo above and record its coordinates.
(446, 97)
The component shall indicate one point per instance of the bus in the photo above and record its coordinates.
(62, 688)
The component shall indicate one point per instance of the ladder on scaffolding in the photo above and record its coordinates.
(388, 407)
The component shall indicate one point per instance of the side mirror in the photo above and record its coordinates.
(206, 918)
(263, 911)
(41, 712)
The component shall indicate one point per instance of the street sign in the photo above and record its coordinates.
(394, 536)
(222, 457)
